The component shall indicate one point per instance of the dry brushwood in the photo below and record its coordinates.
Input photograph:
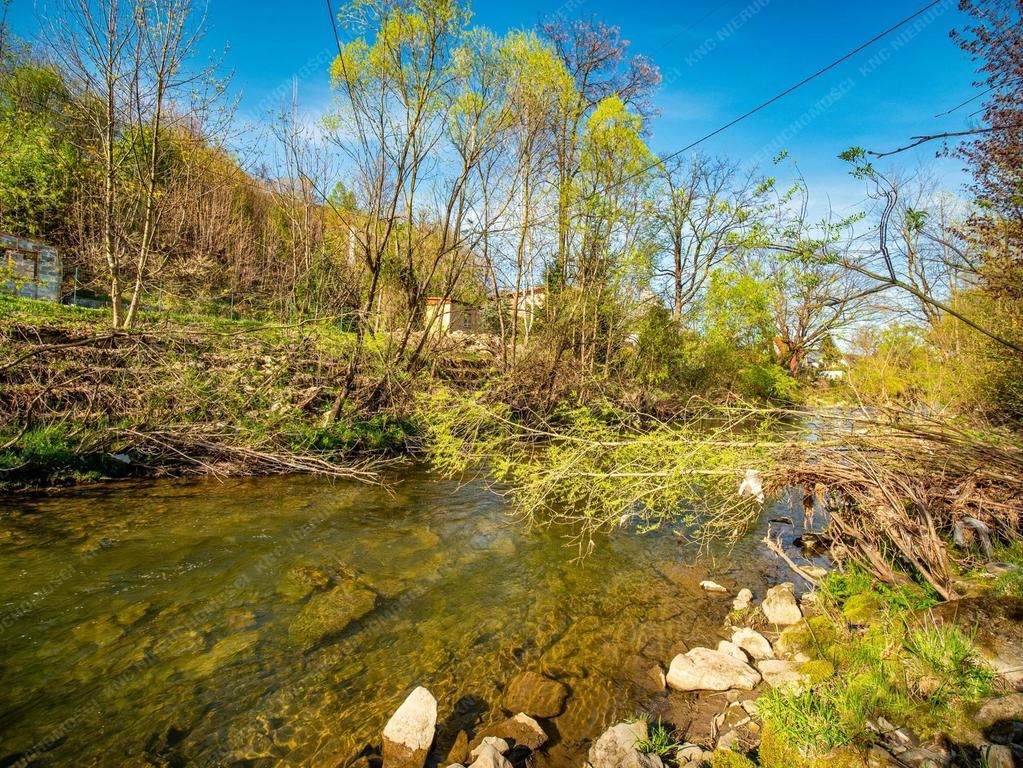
(900, 487)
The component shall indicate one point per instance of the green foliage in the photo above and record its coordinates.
(1011, 582)
(660, 741)
(378, 434)
(660, 357)
(38, 163)
(593, 468)
(812, 720)
(860, 610)
(899, 665)
(738, 311)
(726, 758)
(945, 667)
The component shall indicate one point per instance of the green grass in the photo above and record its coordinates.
(1011, 582)
(900, 665)
(660, 741)
(242, 379)
(813, 719)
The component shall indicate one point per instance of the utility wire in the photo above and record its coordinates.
(741, 117)
(781, 95)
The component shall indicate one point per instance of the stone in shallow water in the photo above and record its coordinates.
(328, 614)
(496, 742)
(521, 730)
(131, 613)
(742, 600)
(489, 756)
(100, 631)
(780, 606)
(702, 669)
(301, 581)
(535, 695)
(409, 733)
(459, 751)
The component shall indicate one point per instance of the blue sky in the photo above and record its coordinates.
(719, 59)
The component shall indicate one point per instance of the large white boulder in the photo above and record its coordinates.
(702, 669)
(780, 606)
(409, 733)
(732, 650)
(754, 643)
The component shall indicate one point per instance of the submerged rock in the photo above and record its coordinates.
(329, 613)
(655, 676)
(780, 606)
(754, 643)
(459, 752)
(521, 730)
(301, 581)
(409, 733)
(702, 669)
(536, 695)
(616, 748)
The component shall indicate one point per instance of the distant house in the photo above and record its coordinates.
(29, 268)
(527, 303)
(445, 315)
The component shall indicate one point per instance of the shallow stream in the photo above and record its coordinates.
(154, 623)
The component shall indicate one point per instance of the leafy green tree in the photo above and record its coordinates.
(38, 161)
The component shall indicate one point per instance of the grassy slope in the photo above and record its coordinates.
(178, 393)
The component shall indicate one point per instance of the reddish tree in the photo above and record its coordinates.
(994, 154)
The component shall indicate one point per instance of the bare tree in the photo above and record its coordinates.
(705, 212)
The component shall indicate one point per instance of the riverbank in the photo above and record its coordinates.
(177, 396)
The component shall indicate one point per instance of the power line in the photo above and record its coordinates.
(780, 96)
(760, 107)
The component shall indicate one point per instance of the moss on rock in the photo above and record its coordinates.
(863, 609)
(817, 671)
(775, 752)
(726, 758)
(810, 636)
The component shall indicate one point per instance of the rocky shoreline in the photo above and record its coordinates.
(763, 648)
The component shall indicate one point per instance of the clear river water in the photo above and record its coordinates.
(151, 623)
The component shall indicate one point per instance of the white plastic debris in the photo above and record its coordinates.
(752, 485)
